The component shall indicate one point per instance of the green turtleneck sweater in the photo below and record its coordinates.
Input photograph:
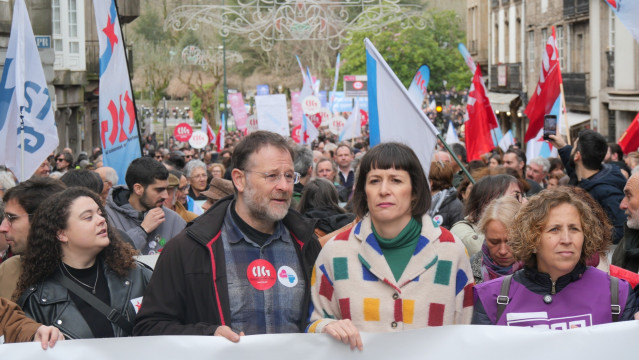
(399, 250)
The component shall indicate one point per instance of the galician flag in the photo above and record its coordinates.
(23, 90)
(393, 116)
(353, 127)
(546, 99)
(118, 124)
(628, 13)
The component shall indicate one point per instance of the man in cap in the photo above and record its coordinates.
(218, 188)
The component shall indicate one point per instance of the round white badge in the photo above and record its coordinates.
(311, 105)
(287, 276)
(336, 124)
(198, 139)
(438, 219)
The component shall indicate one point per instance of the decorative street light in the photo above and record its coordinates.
(264, 22)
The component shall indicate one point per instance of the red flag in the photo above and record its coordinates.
(481, 119)
(219, 140)
(629, 141)
(547, 91)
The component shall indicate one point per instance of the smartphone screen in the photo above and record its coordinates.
(550, 126)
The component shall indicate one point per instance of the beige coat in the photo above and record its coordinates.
(10, 271)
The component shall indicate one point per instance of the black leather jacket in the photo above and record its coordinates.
(50, 304)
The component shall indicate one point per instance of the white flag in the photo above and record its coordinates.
(451, 134)
(392, 115)
(353, 127)
(23, 86)
(309, 131)
(506, 141)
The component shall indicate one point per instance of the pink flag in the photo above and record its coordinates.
(238, 109)
(296, 108)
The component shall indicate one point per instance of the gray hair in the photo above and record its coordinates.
(544, 163)
(110, 174)
(303, 160)
(192, 165)
(6, 180)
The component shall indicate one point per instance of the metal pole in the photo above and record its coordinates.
(225, 86)
(450, 151)
(164, 130)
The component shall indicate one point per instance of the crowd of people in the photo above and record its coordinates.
(267, 236)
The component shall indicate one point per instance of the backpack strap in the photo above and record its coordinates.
(614, 298)
(503, 300)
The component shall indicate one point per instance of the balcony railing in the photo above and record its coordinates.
(93, 58)
(576, 88)
(575, 7)
(506, 77)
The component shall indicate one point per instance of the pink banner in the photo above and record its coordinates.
(296, 108)
(238, 109)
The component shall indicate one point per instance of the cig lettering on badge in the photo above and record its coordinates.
(261, 274)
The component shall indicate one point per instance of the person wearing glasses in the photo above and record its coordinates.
(20, 203)
(173, 191)
(195, 171)
(138, 210)
(483, 192)
(244, 266)
(63, 162)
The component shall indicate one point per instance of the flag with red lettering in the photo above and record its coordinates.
(629, 141)
(117, 116)
(480, 120)
(546, 99)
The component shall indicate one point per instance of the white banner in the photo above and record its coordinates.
(611, 341)
(272, 114)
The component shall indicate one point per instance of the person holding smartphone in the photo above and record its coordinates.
(584, 164)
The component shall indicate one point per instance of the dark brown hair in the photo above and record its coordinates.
(44, 252)
(397, 156)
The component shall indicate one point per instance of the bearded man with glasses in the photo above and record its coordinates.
(244, 266)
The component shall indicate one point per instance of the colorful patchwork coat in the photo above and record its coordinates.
(352, 280)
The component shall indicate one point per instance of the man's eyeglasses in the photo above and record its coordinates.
(61, 159)
(12, 217)
(158, 157)
(290, 177)
(184, 188)
(520, 196)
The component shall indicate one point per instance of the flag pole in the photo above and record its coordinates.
(565, 111)
(450, 151)
(22, 144)
(126, 59)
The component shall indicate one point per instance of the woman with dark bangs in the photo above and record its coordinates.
(396, 269)
(70, 239)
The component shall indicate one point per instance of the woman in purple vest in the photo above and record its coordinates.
(553, 235)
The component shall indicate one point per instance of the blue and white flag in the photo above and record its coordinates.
(451, 134)
(23, 88)
(353, 127)
(392, 114)
(628, 13)
(507, 140)
(309, 131)
(418, 89)
(118, 123)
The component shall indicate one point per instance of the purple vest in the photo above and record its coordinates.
(584, 302)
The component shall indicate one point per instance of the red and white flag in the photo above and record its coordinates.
(206, 128)
(481, 120)
(219, 141)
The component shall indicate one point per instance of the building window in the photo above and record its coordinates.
(560, 47)
(531, 50)
(611, 30)
(56, 17)
(73, 18)
(74, 47)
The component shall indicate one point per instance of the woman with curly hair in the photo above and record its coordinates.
(71, 239)
(554, 235)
